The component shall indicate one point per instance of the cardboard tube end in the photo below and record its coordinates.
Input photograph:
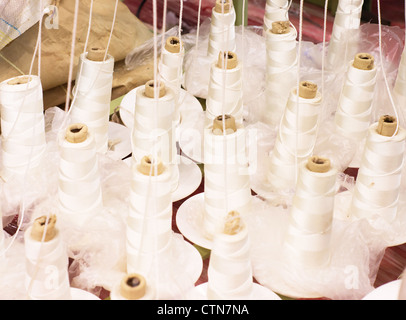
(44, 224)
(363, 61)
(223, 6)
(307, 90)
(148, 166)
(228, 123)
(173, 44)
(96, 54)
(280, 27)
(133, 286)
(387, 126)
(318, 164)
(150, 89)
(233, 223)
(19, 80)
(76, 133)
(227, 59)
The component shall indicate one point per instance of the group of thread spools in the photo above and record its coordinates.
(296, 237)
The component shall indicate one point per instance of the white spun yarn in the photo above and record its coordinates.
(275, 10)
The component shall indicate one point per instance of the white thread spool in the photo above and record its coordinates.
(225, 189)
(47, 262)
(222, 28)
(92, 95)
(399, 89)
(294, 132)
(229, 272)
(154, 126)
(225, 88)
(344, 39)
(22, 124)
(275, 10)
(311, 215)
(378, 181)
(79, 186)
(353, 115)
(149, 224)
(171, 68)
(281, 74)
(133, 287)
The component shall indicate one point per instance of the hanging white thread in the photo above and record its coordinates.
(79, 184)
(281, 72)
(310, 217)
(344, 37)
(379, 176)
(295, 140)
(222, 32)
(230, 272)
(226, 180)
(354, 110)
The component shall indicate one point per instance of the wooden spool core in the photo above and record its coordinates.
(172, 44)
(76, 133)
(318, 164)
(150, 89)
(96, 54)
(307, 90)
(222, 6)
(149, 167)
(280, 27)
(227, 60)
(233, 223)
(19, 80)
(229, 124)
(133, 286)
(40, 225)
(387, 126)
(363, 61)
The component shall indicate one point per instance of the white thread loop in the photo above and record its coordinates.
(310, 218)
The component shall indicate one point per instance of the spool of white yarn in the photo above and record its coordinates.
(226, 179)
(79, 186)
(353, 115)
(22, 124)
(310, 219)
(399, 89)
(378, 181)
(275, 10)
(229, 272)
(149, 223)
(133, 287)
(281, 74)
(296, 136)
(92, 95)
(171, 68)
(225, 88)
(222, 28)
(344, 39)
(47, 262)
(154, 126)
